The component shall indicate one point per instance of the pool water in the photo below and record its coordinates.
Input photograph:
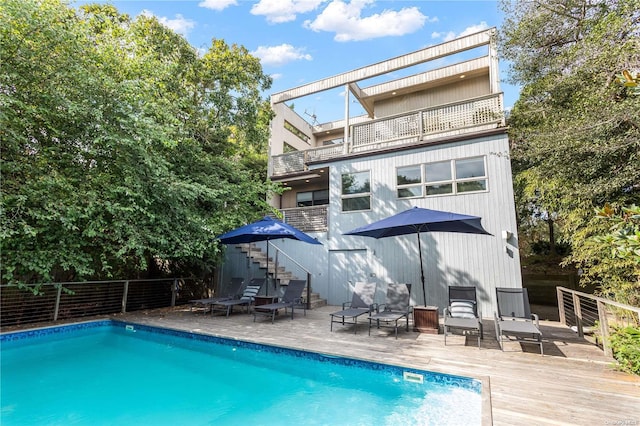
(112, 373)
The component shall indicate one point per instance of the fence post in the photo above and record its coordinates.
(561, 312)
(604, 328)
(174, 289)
(578, 313)
(125, 294)
(308, 290)
(55, 313)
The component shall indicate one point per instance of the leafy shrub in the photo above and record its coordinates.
(625, 344)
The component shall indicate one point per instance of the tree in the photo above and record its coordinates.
(575, 130)
(121, 145)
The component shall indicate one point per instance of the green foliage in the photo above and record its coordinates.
(625, 344)
(123, 152)
(575, 128)
(612, 256)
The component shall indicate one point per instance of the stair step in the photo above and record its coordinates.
(256, 255)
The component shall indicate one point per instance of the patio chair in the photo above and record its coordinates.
(514, 320)
(245, 300)
(361, 303)
(463, 314)
(397, 306)
(292, 297)
(234, 290)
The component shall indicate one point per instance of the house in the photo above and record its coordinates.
(434, 138)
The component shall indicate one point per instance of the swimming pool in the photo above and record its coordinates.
(111, 372)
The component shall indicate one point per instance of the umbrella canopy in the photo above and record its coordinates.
(416, 220)
(265, 229)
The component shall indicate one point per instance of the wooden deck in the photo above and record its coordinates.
(574, 383)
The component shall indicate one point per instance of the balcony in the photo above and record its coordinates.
(452, 119)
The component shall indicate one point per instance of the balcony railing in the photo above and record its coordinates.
(430, 123)
(307, 219)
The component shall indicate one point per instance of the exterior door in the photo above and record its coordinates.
(345, 266)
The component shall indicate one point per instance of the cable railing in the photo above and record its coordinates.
(71, 300)
(585, 312)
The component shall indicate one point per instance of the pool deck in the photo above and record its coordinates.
(574, 383)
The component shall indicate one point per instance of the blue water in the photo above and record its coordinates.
(110, 376)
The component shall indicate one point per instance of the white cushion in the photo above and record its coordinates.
(462, 310)
(250, 292)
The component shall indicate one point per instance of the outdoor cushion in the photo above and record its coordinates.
(462, 310)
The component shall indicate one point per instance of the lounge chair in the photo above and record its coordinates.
(514, 320)
(292, 297)
(361, 303)
(245, 300)
(234, 290)
(397, 307)
(463, 314)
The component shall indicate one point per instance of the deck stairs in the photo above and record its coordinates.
(258, 256)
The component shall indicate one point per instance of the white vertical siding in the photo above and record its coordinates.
(449, 258)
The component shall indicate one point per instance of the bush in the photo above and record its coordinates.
(625, 344)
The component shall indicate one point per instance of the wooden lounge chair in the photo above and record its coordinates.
(291, 298)
(514, 320)
(246, 300)
(463, 314)
(233, 290)
(361, 303)
(397, 307)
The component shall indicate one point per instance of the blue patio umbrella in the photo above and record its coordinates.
(265, 229)
(416, 220)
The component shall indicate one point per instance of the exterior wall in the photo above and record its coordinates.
(288, 198)
(449, 259)
(279, 134)
(454, 92)
(485, 261)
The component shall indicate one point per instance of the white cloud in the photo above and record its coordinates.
(180, 24)
(217, 4)
(448, 36)
(474, 29)
(279, 11)
(280, 55)
(346, 21)
(276, 76)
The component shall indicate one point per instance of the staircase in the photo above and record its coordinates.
(256, 255)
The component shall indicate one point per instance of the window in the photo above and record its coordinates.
(312, 198)
(442, 177)
(293, 129)
(438, 178)
(356, 191)
(471, 175)
(409, 181)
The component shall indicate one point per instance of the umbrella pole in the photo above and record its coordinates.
(424, 292)
(266, 274)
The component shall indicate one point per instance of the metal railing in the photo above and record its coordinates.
(453, 118)
(584, 311)
(306, 271)
(307, 219)
(70, 300)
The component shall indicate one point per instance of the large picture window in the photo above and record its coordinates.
(356, 191)
(442, 178)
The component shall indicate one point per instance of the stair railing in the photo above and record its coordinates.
(275, 274)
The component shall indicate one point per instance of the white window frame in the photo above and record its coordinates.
(357, 195)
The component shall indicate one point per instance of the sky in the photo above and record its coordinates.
(301, 41)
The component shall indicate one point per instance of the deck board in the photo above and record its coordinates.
(574, 383)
